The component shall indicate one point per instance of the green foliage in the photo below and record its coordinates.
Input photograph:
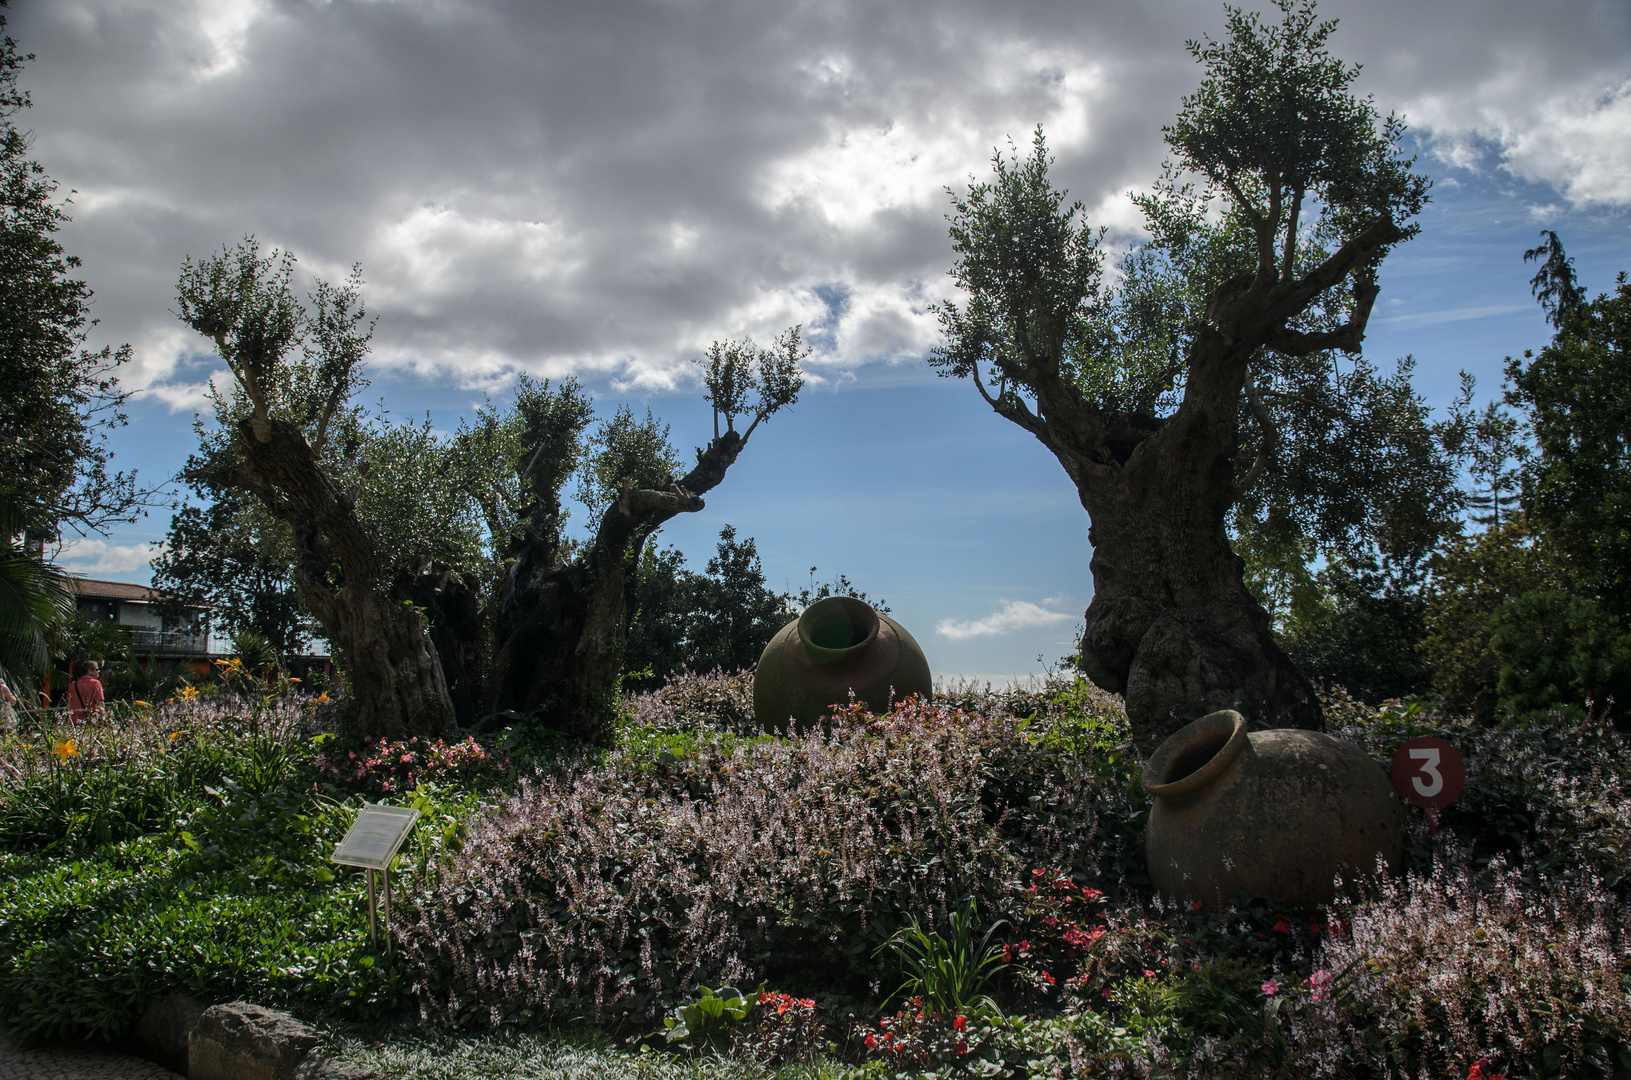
(86, 942)
(622, 451)
(1525, 616)
(685, 621)
(1275, 121)
(1555, 650)
(949, 972)
(34, 602)
(150, 852)
(1473, 578)
(1362, 628)
(514, 462)
(226, 554)
(710, 1019)
(732, 371)
(60, 399)
(1577, 486)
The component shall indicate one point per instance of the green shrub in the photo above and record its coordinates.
(1556, 650)
(175, 851)
(84, 944)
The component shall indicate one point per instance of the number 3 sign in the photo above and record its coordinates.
(1428, 773)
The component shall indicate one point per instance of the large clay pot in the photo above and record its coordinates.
(838, 645)
(1275, 813)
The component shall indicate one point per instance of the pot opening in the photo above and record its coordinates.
(837, 626)
(1195, 756)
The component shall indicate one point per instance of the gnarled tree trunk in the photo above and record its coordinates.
(1172, 626)
(395, 675)
(562, 627)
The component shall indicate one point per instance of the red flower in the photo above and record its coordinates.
(1194, 907)
(871, 1042)
(1281, 926)
(962, 1046)
(960, 1024)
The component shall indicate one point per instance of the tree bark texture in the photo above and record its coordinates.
(1172, 626)
(453, 608)
(562, 627)
(394, 673)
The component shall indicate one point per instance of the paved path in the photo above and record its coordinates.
(74, 1063)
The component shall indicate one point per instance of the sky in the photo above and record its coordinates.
(604, 189)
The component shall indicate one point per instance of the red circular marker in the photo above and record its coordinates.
(1428, 773)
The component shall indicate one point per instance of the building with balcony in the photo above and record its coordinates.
(136, 607)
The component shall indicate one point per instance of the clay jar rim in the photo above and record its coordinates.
(1226, 730)
(819, 670)
(826, 612)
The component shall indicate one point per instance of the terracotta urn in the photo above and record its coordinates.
(840, 644)
(1278, 813)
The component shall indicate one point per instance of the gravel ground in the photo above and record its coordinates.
(74, 1063)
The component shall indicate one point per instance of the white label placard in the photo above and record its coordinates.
(374, 837)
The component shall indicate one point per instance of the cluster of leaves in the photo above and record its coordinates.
(762, 1026)
(383, 767)
(1555, 794)
(688, 622)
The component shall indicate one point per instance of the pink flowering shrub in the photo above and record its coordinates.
(690, 702)
(1459, 967)
(386, 768)
(1555, 795)
(608, 892)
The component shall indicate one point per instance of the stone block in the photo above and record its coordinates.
(241, 1041)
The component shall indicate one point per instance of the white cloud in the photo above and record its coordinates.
(92, 556)
(566, 187)
(1013, 615)
(188, 397)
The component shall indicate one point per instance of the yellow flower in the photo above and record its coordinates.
(174, 735)
(65, 750)
(186, 693)
(293, 679)
(143, 704)
(322, 697)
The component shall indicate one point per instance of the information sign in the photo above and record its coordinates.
(375, 836)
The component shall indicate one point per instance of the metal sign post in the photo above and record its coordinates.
(371, 843)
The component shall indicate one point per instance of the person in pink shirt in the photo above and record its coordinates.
(85, 692)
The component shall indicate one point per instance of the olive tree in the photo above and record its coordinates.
(565, 607)
(1165, 391)
(292, 438)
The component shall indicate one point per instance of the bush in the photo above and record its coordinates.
(1554, 793)
(390, 768)
(1459, 967)
(689, 702)
(183, 849)
(610, 893)
(85, 944)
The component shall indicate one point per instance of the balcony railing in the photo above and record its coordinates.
(167, 641)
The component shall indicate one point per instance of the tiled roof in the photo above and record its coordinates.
(113, 590)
